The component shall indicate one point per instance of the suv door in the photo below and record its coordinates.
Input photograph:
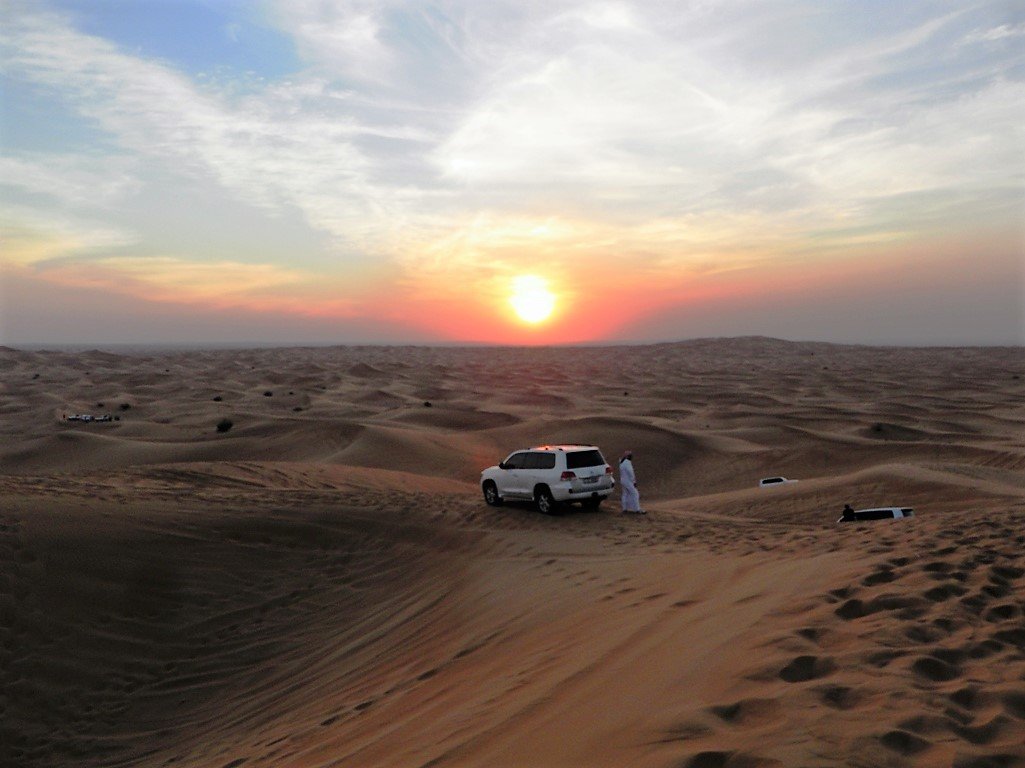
(538, 470)
(512, 478)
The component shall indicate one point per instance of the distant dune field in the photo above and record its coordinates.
(321, 584)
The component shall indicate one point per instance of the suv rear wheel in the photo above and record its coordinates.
(546, 503)
(491, 494)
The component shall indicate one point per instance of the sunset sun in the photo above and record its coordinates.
(531, 299)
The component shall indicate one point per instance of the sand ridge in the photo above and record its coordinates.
(322, 584)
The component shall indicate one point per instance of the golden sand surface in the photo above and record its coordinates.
(323, 585)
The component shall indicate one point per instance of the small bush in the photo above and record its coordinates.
(125, 406)
(224, 425)
(427, 404)
(268, 393)
(297, 408)
(217, 398)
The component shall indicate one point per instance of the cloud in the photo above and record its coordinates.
(993, 34)
(72, 181)
(34, 235)
(600, 108)
(292, 144)
(644, 121)
(343, 36)
(220, 284)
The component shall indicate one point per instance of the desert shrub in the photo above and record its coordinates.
(268, 393)
(125, 406)
(427, 404)
(217, 398)
(297, 408)
(224, 425)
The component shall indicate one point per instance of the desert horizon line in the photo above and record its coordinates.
(245, 345)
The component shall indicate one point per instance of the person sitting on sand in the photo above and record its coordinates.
(848, 512)
(627, 479)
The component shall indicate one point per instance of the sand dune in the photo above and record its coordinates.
(321, 585)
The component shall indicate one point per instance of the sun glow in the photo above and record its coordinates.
(531, 299)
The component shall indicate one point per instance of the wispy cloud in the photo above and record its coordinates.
(223, 284)
(73, 181)
(292, 144)
(993, 34)
(32, 234)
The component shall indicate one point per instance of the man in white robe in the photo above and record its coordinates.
(628, 482)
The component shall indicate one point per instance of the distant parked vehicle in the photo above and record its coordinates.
(766, 482)
(550, 475)
(878, 513)
(87, 417)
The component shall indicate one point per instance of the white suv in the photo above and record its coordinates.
(878, 513)
(550, 475)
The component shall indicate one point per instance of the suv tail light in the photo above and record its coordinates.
(567, 475)
(608, 469)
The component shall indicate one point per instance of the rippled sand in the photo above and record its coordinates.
(322, 585)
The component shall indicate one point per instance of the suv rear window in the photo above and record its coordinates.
(578, 459)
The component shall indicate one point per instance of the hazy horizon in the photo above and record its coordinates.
(382, 172)
(228, 346)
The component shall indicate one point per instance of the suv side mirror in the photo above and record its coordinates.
(503, 465)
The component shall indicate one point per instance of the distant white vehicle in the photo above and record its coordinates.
(877, 513)
(89, 417)
(766, 482)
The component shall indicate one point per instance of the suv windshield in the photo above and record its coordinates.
(579, 459)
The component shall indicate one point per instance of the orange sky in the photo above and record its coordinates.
(289, 172)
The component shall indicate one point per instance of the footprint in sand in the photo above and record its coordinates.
(904, 743)
(748, 712)
(932, 669)
(943, 592)
(1003, 612)
(804, 668)
(728, 759)
(839, 696)
(985, 733)
(882, 576)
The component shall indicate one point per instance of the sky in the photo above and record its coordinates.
(304, 171)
